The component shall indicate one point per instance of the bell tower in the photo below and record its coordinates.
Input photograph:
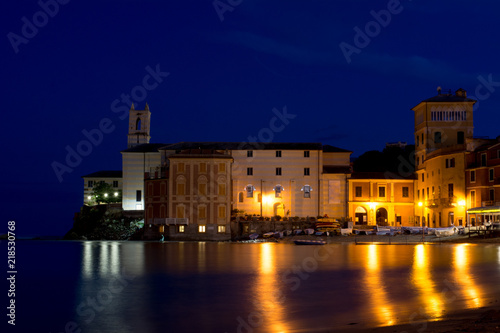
(138, 126)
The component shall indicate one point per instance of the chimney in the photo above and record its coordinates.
(461, 93)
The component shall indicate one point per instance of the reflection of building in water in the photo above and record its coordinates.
(104, 259)
(463, 278)
(431, 297)
(270, 301)
(380, 304)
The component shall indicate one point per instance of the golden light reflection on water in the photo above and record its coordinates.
(377, 293)
(463, 278)
(431, 298)
(270, 302)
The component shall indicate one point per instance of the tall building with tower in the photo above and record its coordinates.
(443, 124)
(138, 126)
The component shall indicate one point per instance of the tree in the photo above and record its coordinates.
(105, 193)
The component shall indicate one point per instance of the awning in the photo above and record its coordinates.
(483, 210)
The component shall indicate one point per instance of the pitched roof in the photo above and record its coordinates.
(105, 174)
(145, 148)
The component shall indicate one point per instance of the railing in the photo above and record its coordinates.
(170, 220)
(487, 203)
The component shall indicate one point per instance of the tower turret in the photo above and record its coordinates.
(138, 126)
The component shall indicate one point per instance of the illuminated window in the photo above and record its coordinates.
(202, 212)
(222, 212)
(473, 199)
(181, 228)
(278, 153)
(221, 228)
(222, 189)
(202, 189)
(222, 167)
(381, 192)
(202, 228)
(278, 171)
(249, 171)
(306, 153)
(249, 153)
(203, 167)
(180, 167)
(307, 191)
(307, 172)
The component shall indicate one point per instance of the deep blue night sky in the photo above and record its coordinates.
(225, 78)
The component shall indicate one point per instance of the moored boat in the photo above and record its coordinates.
(309, 242)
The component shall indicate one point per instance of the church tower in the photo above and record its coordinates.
(138, 126)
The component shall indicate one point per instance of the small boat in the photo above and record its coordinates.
(319, 233)
(309, 231)
(345, 231)
(443, 232)
(268, 234)
(288, 232)
(278, 234)
(297, 232)
(253, 236)
(309, 242)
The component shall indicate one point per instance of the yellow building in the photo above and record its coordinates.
(376, 198)
(442, 125)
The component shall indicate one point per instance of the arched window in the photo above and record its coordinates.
(138, 124)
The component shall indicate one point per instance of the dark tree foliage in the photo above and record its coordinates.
(105, 193)
(391, 159)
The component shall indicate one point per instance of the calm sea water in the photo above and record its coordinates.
(231, 287)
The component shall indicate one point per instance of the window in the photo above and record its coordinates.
(180, 167)
(437, 137)
(181, 228)
(428, 194)
(221, 228)
(460, 138)
(418, 194)
(222, 189)
(381, 191)
(278, 171)
(473, 176)
(115, 183)
(138, 196)
(405, 192)
(359, 191)
(222, 212)
(203, 167)
(240, 197)
(277, 191)
(450, 162)
(483, 159)
(90, 183)
(249, 189)
(278, 153)
(423, 176)
(179, 212)
(417, 140)
(450, 190)
(307, 191)
(138, 124)
(492, 195)
(249, 153)
(307, 172)
(202, 189)
(222, 167)
(492, 174)
(202, 228)
(180, 189)
(202, 212)
(418, 160)
(249, 171)
(473, 199)
(306, 153)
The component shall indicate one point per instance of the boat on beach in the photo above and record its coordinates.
(309, 242)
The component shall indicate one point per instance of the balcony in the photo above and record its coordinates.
(487, 203)
(170, 221)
